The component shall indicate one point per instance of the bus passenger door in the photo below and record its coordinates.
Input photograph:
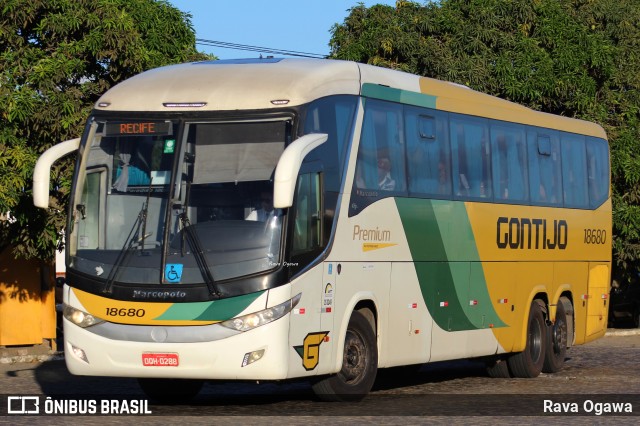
(311, 329)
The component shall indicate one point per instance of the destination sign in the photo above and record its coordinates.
(138, 128)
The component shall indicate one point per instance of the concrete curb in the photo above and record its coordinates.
(613, 332)
(54, 356)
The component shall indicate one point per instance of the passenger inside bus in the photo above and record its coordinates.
(385, 181)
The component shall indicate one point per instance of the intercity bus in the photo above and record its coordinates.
(270, 219)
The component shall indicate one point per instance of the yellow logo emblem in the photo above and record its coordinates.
(309, 351)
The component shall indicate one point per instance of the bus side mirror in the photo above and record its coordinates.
(42, 171)
(289, 166)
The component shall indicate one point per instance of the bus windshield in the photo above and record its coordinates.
(213, 220)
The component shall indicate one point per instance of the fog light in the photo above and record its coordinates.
(79, 353)
(251, 357)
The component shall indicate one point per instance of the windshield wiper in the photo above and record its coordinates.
(132, 239)
(196, 247)
(198, 252)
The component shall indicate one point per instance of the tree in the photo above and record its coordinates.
(56, 58)
(577, 58)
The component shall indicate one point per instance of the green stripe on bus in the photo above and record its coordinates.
(216, 310)
(447, 264)
(385, 93)
(438, 286)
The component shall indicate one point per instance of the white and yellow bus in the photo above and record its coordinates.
(272, 219)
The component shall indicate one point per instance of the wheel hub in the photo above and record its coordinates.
(559, 331)
(354, 358)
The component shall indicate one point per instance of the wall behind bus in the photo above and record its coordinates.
(27, 305)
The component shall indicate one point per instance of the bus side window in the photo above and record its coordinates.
(598, 171)
(381, 162)
(574, 171)
(307, 224)
(545, 184)
(471, 157)
(509, 163)
(396, 149)
(427, 152)
(366, 176)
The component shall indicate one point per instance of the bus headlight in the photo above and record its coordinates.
(80, 318)
(256, 319)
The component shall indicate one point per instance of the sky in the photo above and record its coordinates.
(292, 25)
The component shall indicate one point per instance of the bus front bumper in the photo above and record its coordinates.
(89, 354)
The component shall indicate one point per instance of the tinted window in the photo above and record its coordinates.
(334, 116)
(597, 171)
(574, 171)
(306, 229)
(471, 157)
(545, 185)
(509, 162)
(428, 163)
(380, 163)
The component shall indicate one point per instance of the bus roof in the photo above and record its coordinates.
(272, 82)
(233, 85)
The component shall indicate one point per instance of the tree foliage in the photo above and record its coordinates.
(56, 58)
(577, 58)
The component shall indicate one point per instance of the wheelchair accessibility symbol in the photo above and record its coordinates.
(173, 272)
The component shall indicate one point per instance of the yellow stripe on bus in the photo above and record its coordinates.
(123, 312)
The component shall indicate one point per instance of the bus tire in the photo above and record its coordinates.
(557, 337)
(170, 391)
(498, 368)
(359, 364)
(528, 363)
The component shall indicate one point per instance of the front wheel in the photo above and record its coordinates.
(359, 364)
(528, 363)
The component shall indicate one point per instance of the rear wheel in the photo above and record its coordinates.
(359, 364)
(528, 363)
(557, 337)
(171, 391)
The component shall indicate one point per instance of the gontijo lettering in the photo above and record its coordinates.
(525, 233)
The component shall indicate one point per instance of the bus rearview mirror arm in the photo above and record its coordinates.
(42, 171)
(289, 166)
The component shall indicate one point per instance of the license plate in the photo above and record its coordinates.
(160, 359)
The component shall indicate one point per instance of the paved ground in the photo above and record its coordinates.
(458, 392)
(34, 353)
